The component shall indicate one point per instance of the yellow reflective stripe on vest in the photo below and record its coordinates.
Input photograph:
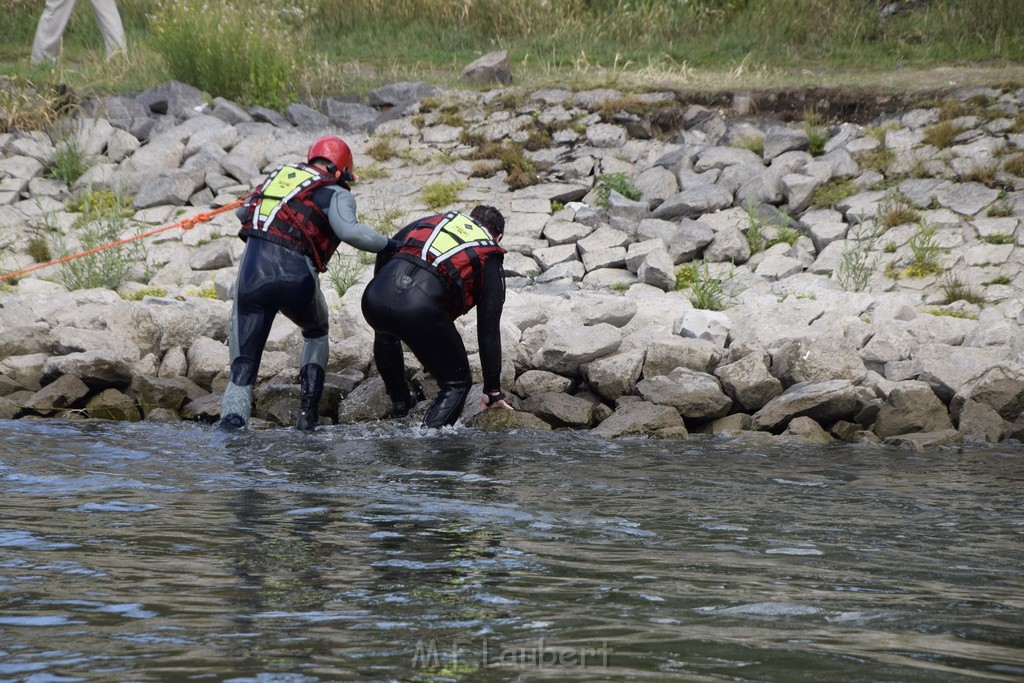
(281, 186)
(453, 234)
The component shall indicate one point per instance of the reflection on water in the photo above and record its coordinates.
(171, 552)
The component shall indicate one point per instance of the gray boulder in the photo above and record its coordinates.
(748, 382)
(695, 395)
(173, 98)
(99, 370)
(658, 269)
(694, 202)
(368, 401)
(351, 116)
(568, 347)
(614, 376)
(63, 393)
(534, 382)
(400, 93)
(639, 418)
(665, 353)
(560, 410)
(170, 393)
(207, 358)
(506, 420)
(683, 239)
(491, 68)
(779, 140)
(981, 422)
(112, 404)
(817, 359)
(824, 402)
(911, 407)
(1000, 388)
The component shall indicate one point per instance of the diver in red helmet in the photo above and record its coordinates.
(292, 223)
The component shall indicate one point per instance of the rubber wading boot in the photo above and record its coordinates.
(447, 407)
(401, 407)
(311, 379)
(231, 422)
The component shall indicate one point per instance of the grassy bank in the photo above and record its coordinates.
(306, 48)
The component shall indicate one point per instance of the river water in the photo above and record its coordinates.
(174, 552)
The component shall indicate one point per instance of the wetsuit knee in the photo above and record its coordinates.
(318, 331)
(243, 371)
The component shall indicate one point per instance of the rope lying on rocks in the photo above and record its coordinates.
(184, 224)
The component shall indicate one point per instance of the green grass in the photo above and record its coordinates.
(999, 280)
(998, 238)
(142, 293)
(382, 149)
(97, 225)
(926, 252)
(228, 50)
(956, 290)
(1015, 165)
(686, 275)
(833, 192)
(560, 42)
(941, 134)
(816, 134)
(69, 164)
(442, 194)
(509, 157)
(897, 210)
(1000, 208)
(39, 249)
(951, 314)
(619, 182)
(755, 143)
(342, 272)
(707, 292)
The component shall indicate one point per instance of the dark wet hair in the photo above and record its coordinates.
(490, 218)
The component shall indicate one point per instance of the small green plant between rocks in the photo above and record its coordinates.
(441, 194)
(955, 289)
(606, 182)
(926, 252)
(856, 264)
(143, 292)
(343, 271)
(707, 291)
(998, 238)
(96, 226)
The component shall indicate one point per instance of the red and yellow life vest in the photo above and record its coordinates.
(457, 247)
(282, 211)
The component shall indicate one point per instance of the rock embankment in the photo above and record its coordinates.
(867, 278)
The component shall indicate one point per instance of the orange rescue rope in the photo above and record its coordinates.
(184, 224)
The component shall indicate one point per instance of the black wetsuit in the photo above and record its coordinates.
(407, 301)
(273, 278)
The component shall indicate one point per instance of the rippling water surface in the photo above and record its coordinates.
(151, 552)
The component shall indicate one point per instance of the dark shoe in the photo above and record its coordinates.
(447, 406)
(402, 408)
(311, 378)
(231, 422)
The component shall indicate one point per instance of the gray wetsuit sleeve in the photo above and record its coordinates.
(342, 215)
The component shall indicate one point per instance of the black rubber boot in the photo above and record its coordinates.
(311, 378)
(447, 407)
(401, 407)
(231, 422)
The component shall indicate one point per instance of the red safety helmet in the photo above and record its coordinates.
(337, 153)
